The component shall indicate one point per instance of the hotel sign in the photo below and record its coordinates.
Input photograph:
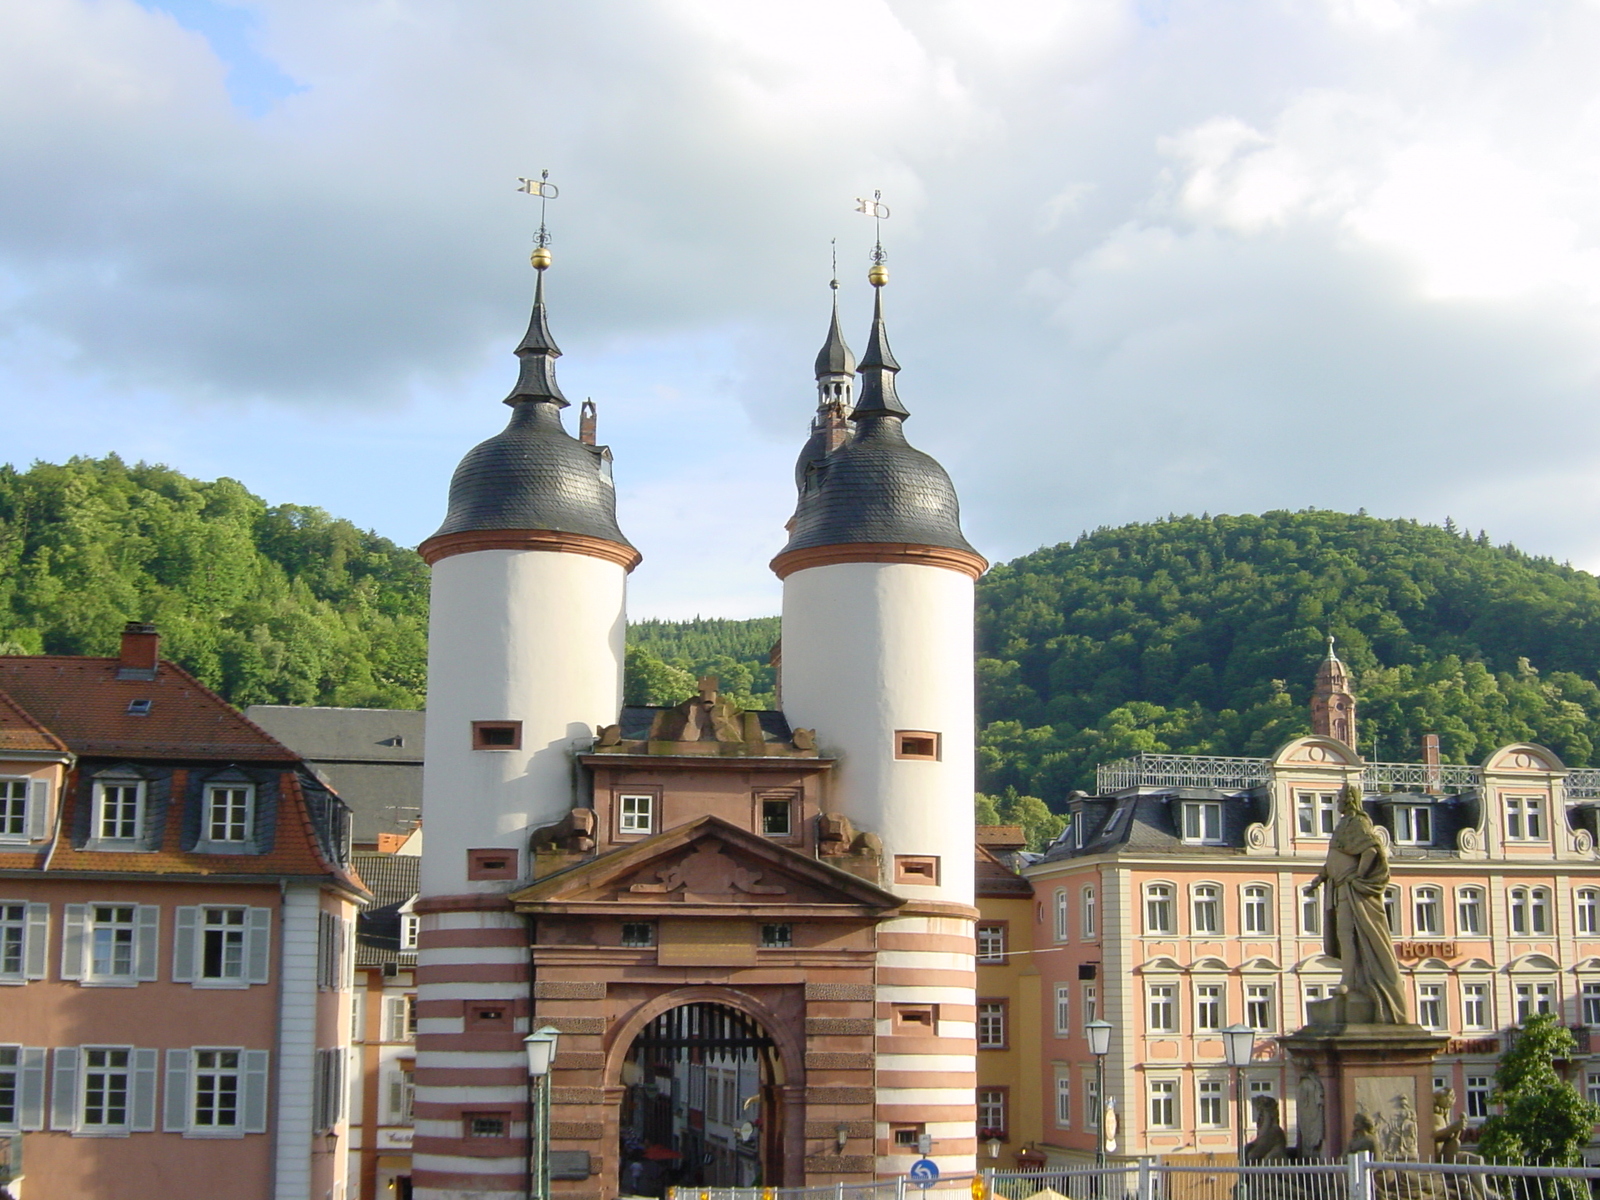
(1425, 949)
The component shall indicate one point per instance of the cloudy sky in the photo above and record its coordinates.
(1148, 256)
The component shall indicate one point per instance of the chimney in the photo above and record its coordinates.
(586, 416)
(1430, 749)
(141, 651)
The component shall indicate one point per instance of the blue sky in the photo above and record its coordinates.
(1146, 258)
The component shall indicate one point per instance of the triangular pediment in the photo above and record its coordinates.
(706, 865)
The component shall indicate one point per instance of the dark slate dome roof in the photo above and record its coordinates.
(877, 487)
(534, 475)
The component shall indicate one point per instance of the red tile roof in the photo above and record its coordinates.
(84, 704)
(19, 731)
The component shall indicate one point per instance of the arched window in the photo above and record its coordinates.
(1256, 909)
(1588, 910)
(1158, 908)
(1391, 909)
(1207, 905)
(1425, 910)
(1088, 917)
(1517, 898)
(1539, 910)
(1061, 914)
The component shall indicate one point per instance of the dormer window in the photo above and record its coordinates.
(230, 812)
(1202, 821)
(118, 810)
(1413, 825)
(1524, 819)
(410, 925)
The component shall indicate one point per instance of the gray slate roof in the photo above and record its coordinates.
(371, 756)
(392, 880)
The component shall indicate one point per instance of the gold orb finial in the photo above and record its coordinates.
(878, 274)
(540, 258)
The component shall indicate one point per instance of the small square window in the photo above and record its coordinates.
(491, 864)
(910, 743)
(908, 1137)
(919, 1019)
(916, 868)
(635, 813)
(777, 936)
(138, 708)
(488, 1016)
(776, 818)
(638, 933)
(487, 1125)
(497, 735)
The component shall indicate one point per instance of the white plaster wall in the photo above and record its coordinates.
(297, 1039)
(871, 648)
(528, 635)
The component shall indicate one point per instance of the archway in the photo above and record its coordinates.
(700, 1102)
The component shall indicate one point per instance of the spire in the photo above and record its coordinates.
(878, 367)
(835, 357)
(536, 382)
(1333, 700)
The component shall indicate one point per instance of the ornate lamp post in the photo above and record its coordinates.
(1099, 1033)
(1237, 1043)
(541, 1048)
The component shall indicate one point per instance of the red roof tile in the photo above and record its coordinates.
(83, 703)
(19, 731)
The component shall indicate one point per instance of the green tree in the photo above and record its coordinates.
(1543, 1119)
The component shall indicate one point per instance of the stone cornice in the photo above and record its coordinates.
(963, 562)
(470, 540)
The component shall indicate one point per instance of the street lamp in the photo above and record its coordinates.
(541, 1049)
(1238, 1041)
(1099, 1033)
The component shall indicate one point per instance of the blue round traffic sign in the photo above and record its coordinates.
(924, 1171)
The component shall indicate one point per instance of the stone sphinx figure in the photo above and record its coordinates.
(1270, 1142)
(1355, 930)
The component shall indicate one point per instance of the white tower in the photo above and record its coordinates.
(878, 658)
(525, 653)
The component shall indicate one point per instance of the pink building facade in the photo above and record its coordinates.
(176, 915)
(1177, 903)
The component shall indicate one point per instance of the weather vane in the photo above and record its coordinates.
(834, 282)
(546, 191)
(879, 212)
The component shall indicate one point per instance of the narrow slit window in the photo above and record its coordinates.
(497, 735)
(910, 743)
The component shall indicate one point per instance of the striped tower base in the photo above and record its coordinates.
(472, 1074)
(921, 1080)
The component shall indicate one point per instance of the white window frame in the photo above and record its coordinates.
(410, 929)
(992, 1022)
(1413, 825)
(1476, 1099)
(1314, 814)
(991, 1108)
(1532, 996)
(1091, 1102)
(1255, 910)
(1477, 1000)
(1063, 1010)
(991, 942)
(1205, 898)
(1088, 914)
(1586, 910)
(1212, 997)
(22, 1072)
(1209, 1095)
(1158, 898)
(1063, 1098)
(1161, 1007)
(1202, 822)
(1310, 910)
(1062, 933)
(1431, 1005)
(1162, 1104)
(1260, 999)
(118, 839)
(24, 809)
(636, 813)
(1391, 909)
(181, 1098)
(81, 938)
(1469, 900)
(196, 928)
(70, 1092)
(1427, 915)
(24, 941)
(1091, 1003)
(209, 840)
(1525, 819)
(1589, 1001)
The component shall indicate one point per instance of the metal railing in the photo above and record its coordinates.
(1358, 1177)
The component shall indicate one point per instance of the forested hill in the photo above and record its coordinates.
(1190, 634)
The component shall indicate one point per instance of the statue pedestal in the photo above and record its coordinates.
(1347, 1067)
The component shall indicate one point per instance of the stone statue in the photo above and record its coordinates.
(1446, 1133)
(1362, 1134)
(1269, 1143)
(1308, 1115)
(1400, 1132)
(1355, 931)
